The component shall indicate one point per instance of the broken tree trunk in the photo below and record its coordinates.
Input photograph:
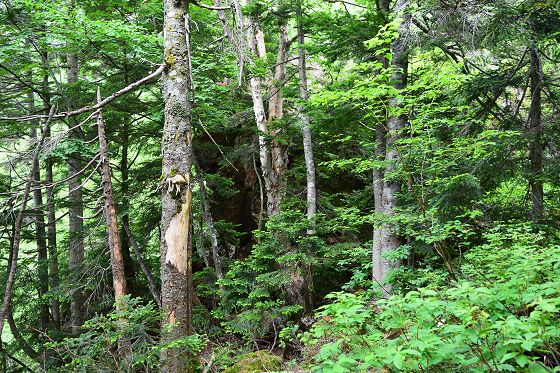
(176, 240)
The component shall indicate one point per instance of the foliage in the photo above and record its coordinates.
(502, 315)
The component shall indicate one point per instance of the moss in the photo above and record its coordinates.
(256, 362)
(170, 59)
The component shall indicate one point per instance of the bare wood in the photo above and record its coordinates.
(117, 264)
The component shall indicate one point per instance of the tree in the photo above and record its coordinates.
(176, 210)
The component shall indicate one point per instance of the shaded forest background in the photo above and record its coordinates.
(346, 186)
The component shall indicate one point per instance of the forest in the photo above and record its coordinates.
(280, 186)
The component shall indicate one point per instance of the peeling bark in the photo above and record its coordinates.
(176, 240)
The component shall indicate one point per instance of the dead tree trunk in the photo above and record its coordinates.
(388, 238)
(117, 263)
(536, 133)
(176, 240)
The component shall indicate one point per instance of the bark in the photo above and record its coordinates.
(207, 217)
(54, 280)
(125, 203)
(75, 214)
(536, 133)
(18, 225)
(149, 277)
(279, 154)
(309, 160)
(223, 20)
(40, 234)
(256, 46)
(117, 262)
(176, 240)
(387, 236)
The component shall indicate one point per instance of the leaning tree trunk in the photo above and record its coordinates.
(536, 132)
(309, 160)
(176, 240)
(388, 238)
(117, 262)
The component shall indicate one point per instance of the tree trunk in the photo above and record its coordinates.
(207, 217)
(10, 280)
(54, 280)
(387, 237)
(536, 133)
(279, 155)
(149, 277)
(309, 160)
(75, 215)
(117, 262)
(125, 203)
(176, 240)
(255, 43)
(40, 233)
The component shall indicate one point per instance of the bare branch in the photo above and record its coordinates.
(101, 104)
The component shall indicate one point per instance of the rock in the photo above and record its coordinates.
(256, 362)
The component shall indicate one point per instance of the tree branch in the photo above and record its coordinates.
(101, 104)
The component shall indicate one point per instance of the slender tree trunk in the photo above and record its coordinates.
(54, 280)
(125, 203)
(256, 46)
(279, 155)
(10, 280)
(536, 133)
(149, 277)
(117, 262)
(388, 238)
(309, 160)
(207, 217)
(378, 172)
(40, 233)
(75, 215)
(176, 240)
